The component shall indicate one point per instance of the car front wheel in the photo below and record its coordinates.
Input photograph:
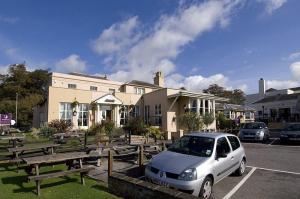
(206, 188)
(241, 170)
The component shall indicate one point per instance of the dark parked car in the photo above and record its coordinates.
(255, 131)
(290, 133)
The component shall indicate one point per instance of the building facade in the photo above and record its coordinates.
(236, 112)
(276, 105)
(98, 99)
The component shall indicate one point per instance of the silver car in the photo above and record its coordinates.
(197, 161)
(255, 131)
(290, 133)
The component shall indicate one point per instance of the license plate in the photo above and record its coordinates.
(159, 182)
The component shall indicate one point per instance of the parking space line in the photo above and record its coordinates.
(274, 141)
(229, 194)
(275, 170)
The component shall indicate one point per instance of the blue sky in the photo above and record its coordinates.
(195, 43)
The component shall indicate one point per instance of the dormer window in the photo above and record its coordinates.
(140, 91)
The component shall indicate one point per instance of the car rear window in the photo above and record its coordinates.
(234, 142)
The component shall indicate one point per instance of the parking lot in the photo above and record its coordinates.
(273, 172)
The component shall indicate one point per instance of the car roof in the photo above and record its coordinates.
(209, 134)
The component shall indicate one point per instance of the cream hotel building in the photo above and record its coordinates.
(118, 101)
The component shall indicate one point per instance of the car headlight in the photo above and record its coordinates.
(188, 175)
(261, 133)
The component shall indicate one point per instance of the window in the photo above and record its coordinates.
(234, 142)
(123, 115)
(112, 91)
(158, 120)
(194, 145)
(93, 88)
(83, 113)
(194, 106)
(222, 146)
(147, 114)
(140, 91)
(72, 86)
(247, 115)
(135, 111)
(65, 111)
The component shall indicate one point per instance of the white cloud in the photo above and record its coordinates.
(137, 52)
(295, 69)
(294, 55)
(272, 5)
(243, 87)
(72, 63)
(282, 84)
(3, 70)
(196, 82)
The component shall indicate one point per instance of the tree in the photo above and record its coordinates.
(191, 121)
(236, 96)
(208, 119)
(31, 88)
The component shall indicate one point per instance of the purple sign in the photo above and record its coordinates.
(5, 118)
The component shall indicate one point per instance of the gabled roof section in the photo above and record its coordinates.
(108, 99)
(90, 76)
(141, 83)
(279, 97)
(271, 89)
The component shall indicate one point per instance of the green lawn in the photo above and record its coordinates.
(13, 184)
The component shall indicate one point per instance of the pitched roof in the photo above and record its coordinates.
(271, 89)
(279, 97)
(141, 83)
(295, 89)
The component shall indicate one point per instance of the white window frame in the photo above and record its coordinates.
(65, 110)
(81, 112)
(139, 90)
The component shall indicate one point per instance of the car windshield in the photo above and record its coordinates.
(193, 145)
(253, 126)
(293, 127)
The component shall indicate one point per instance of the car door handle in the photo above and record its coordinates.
(232, 158)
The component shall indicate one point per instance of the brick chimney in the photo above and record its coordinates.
(159, 79)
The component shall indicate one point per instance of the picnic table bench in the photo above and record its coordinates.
(20, 150)
(13, 139)
(56, 158)
(62, 138)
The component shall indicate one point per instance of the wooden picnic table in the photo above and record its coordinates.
(13, 139)
(56, 158)
(20, 150)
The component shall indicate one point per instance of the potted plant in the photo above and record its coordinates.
(74, 104)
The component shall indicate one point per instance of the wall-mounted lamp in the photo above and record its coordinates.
(74, 113)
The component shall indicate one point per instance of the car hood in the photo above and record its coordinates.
(173, 162)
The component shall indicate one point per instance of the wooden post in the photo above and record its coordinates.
(37, 171)
(38, 187)
(110, 163)
(141, 156)
(85, 139)
(163, 145)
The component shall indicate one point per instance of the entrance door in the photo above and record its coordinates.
(108, 115)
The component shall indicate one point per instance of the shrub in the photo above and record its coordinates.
(154, 133)
(191, 121)
(61, 126)
(136, 126)
(208, 119)
(47, 131)
(34, 133)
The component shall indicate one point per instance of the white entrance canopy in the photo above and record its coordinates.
(108, 99)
